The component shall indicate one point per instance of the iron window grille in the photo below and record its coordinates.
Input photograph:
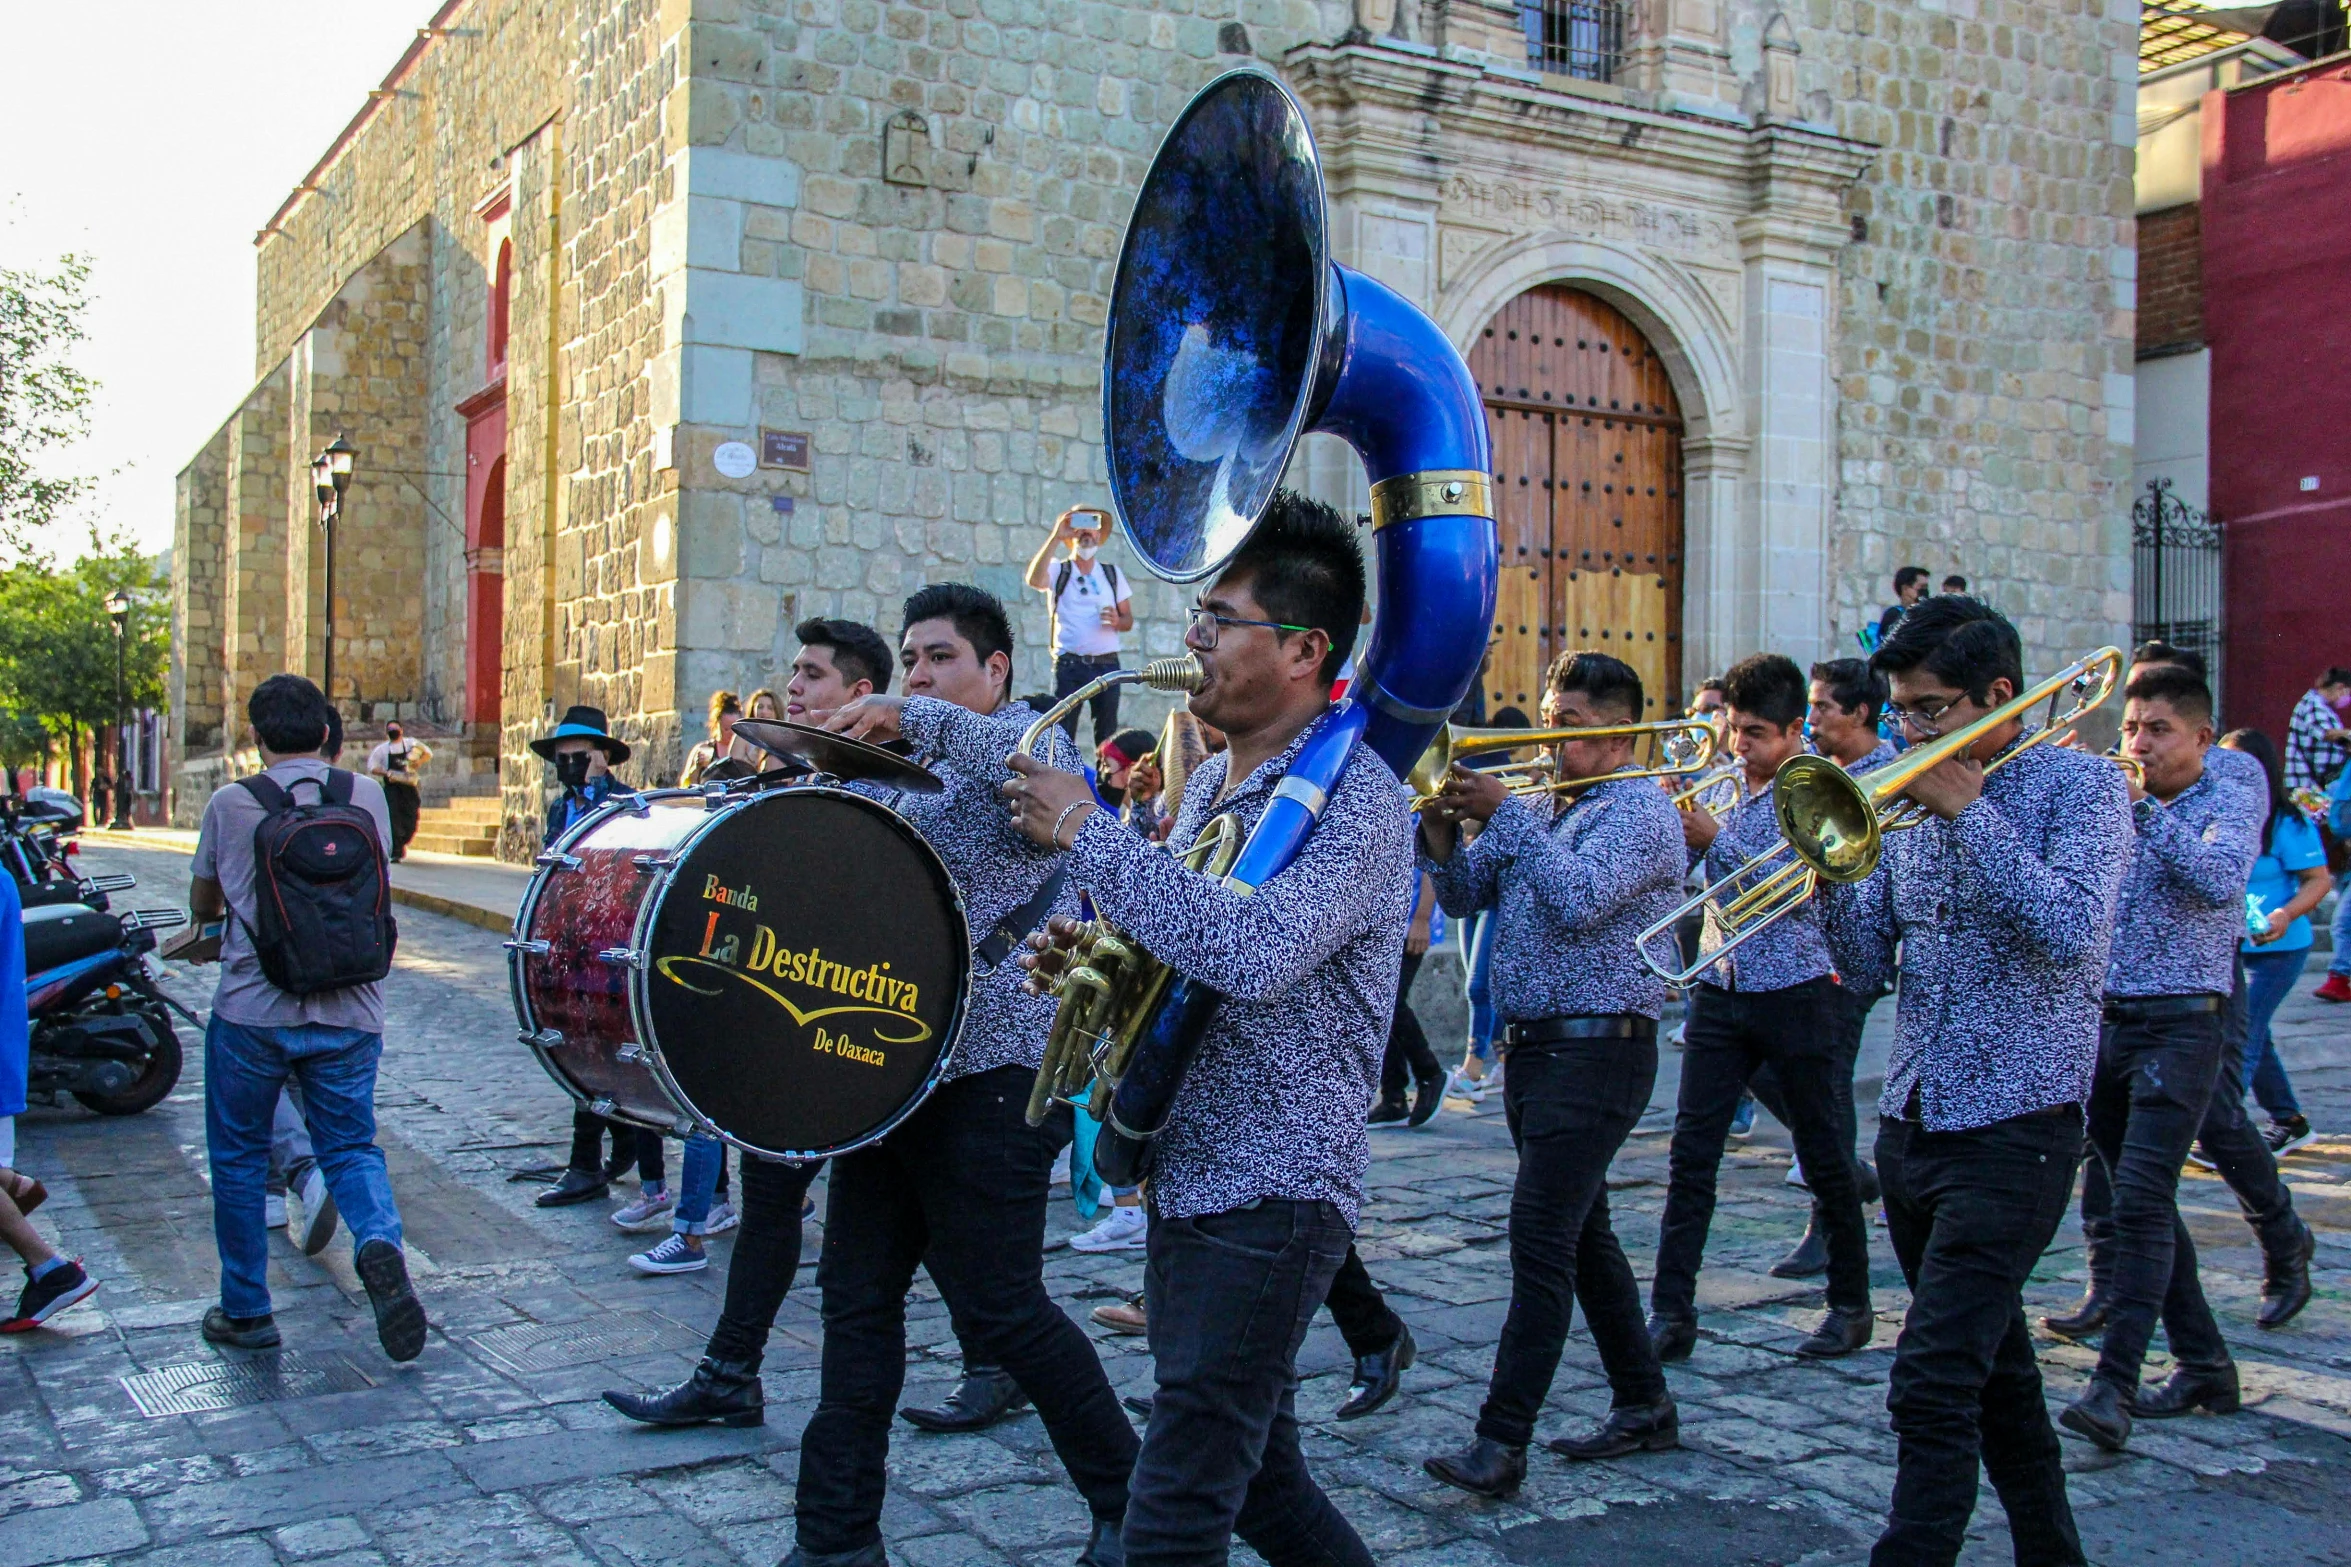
(2175, 575)
(1583, 39)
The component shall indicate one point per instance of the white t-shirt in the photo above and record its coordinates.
(1083, 607)
(403, 764)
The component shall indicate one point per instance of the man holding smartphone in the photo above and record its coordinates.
(1092, 604)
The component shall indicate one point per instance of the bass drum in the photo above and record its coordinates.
(786, 970)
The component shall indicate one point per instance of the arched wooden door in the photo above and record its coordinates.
(1588, 491)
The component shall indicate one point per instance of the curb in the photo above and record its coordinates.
(431, 903)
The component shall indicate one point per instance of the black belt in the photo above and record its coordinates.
(1559, 1030)
(2148, 1009)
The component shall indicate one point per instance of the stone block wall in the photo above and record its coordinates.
(200, 509)
(262, 463)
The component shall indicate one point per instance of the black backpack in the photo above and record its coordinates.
(322, 893)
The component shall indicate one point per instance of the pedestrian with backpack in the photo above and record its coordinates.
(1092, 604)
(291, 879)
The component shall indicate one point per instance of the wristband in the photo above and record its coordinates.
(1064, 816)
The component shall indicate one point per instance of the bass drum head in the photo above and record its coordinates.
(806, 971)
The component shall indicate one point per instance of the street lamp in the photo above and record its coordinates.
(330, 476)
(118, 610)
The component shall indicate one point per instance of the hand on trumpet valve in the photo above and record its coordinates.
(872, 718)
(1048, 806)
(1469, 795)
(1699, 828)
(1045, 953)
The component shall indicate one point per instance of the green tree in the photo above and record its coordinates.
(44, 401)
(57, 645)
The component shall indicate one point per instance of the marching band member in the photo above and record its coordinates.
(2003, 901)
(2173, 961)
(1573, 881)
(1772, 1002)
(1258, 1174)
(960, 1187)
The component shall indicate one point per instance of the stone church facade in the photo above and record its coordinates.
(661, 324)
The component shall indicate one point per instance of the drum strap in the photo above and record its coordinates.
(1012, 927)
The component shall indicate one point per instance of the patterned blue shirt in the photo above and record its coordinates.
(2183, 902)
(1273, 1105)
(1791, 950)
(995, 867)
(1571, 890)
(2005, 915)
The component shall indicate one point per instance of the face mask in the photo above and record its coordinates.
(571, 769)
(1114, 793)
(1087, 552)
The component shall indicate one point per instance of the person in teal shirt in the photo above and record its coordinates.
(2288, 881)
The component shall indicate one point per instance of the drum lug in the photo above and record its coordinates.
(622, 957)
(650, 863)
(601, 1105)
(529, 949)
(569, 862)
(685, 1128)
(714, 796)
(544, 1039)
(630, 1055)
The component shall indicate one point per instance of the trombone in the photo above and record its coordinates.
(1706, 791)
(1833, 824)
(1685, 746)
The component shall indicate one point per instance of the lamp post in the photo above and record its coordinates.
(118, 610)
(330, 476)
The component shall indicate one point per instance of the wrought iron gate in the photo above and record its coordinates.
(2175, 575)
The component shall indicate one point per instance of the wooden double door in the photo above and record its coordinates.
(1588, 495)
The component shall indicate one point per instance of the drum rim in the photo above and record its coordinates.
(649, 913)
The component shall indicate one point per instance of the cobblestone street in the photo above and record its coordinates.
(493, 1447)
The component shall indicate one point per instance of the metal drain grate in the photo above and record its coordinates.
(268, 1378)
(552, 1346)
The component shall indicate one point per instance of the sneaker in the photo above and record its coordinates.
(722, 1218)
(273, 1211)
(1743, 1118)
(310, 1219)
(1060, 1175)
(400, 1318)
(1428, 1097)
(2202, 1160)
(2336, 988)
(1680, 1038)
(1388, 1113)
(1121, 1229)
(671, 1256)
(1795, 1175)
(44, 1297)
(1463, 1086)
(2285, 1136)
(650, 1211)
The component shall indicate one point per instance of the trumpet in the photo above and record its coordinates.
(1706, 792)
(1685, 746)
(1833, 824)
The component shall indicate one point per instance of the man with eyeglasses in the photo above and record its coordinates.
(2003, 900)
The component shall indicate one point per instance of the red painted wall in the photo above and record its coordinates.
(2277, 315)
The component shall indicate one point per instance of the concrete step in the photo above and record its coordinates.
(483, 846)
(468, 808)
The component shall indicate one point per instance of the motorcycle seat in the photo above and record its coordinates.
(62, 933)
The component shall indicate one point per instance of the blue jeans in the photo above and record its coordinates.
(1477, 946)
(2340, 963)
(244, 1070)
(706, 1156)
(2269, 979)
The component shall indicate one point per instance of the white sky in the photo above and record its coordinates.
(154, 137)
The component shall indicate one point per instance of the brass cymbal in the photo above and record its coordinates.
(838, 755)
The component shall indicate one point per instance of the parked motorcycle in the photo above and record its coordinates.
(101, 1025)
(37, 845)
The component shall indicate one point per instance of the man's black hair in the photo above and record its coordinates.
(332, 746)
(2176, 686)
(1304, 569)
(1955, 583)
(978, 617)
(2334, 675)
(289, 715)
(859, 652)
(1906, 576)
(1611, 683)
(1853, 684)
(1713, 683)
(1768, 686)
(2165, 653)
(1962, 642)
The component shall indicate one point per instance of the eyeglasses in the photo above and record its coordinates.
(1926, 721)
(1200, 630)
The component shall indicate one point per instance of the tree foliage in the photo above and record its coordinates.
(57, 644)
(44, 401)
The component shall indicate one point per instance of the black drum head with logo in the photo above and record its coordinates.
(805, 973)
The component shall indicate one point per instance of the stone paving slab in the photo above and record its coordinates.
(461, 1458)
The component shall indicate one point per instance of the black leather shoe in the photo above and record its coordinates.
(2189, 1389)
(985, 1395)
(400, 1318)
(2088, 1318)
(1103, 1546)
(2102, 1413)
(2285, 1283)
(1841, 1332)
(726, 1391)
(874, 1555)
(1672, 1337)
(1630, 1428)
(576, 1186)
(1378, 1377)
(1810, 1259)
(241, 1332)
(1428, 1097)
(1484, 1468)
(1138, 1404)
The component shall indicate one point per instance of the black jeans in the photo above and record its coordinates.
(1408, 1042)
(1970, 1213)
(1569, 1106)
(1365, 1320)
(1797, 1031)
(1229, 1296)
(766, 1258)
(1852, 1013)
(2146, 1104)
(2230, 1141)
(1072, 670)
(587, 1143)
(960, 1190)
